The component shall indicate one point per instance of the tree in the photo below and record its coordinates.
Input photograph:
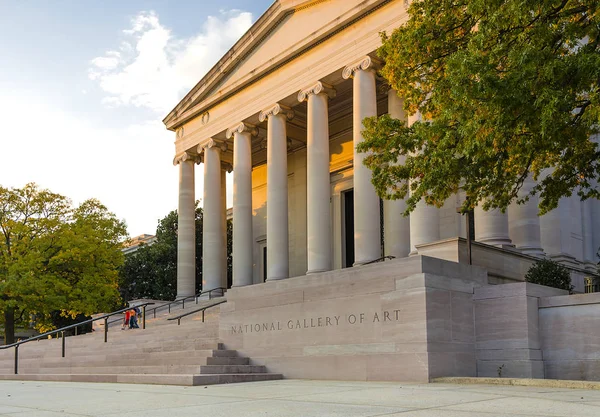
(505, 89)
(151, 271)
(549, 273)
(55, 257)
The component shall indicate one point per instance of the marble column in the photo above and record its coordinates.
(589, 252)
(555, 229)
(317, 177)
(595, 215)
(212, 235)
(524, 222)
(491, 227)
(224, 169)
(186, 235)
(367, 226)
(425, 219)
(396, 227)
(277, 191)
(242, 203)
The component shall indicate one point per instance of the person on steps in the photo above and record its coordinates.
(133, 324)
(126, 319)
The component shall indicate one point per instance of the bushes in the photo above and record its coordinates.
(549, 273)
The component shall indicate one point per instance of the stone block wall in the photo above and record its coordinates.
(570, 336)
(507, 330)
(403, 320)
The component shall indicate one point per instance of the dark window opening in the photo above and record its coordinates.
(348, 224)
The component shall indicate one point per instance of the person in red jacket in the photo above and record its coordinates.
(126, 320)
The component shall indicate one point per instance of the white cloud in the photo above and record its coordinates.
(129, 170)
(153, 68)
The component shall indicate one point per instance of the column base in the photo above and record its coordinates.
(532, 250)
(503, 244)
(317, 271)
(276, 279)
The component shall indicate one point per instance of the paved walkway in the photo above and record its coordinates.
(292, 398)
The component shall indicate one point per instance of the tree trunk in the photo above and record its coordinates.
(9, 325)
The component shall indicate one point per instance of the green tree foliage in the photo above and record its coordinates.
(151, 271)
(549, 273)
(54, 257)
(505, 89)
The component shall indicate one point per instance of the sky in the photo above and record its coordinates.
(84, 86)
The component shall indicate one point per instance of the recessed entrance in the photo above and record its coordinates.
(348, 228)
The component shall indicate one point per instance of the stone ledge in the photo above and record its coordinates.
(569, 300)
(523, 382)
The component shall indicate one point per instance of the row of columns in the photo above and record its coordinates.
(402, 234)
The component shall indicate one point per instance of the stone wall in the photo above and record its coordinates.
(570, 336)
(413, 319)
(403, 320)
(507, 330)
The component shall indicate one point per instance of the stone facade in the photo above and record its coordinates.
(283, 110)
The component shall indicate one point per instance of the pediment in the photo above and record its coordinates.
(286, 28)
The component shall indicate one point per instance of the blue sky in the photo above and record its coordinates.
(84, 86)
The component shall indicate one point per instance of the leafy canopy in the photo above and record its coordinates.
(506, 89)
(54, 257)
(551, 274)
(151, 271)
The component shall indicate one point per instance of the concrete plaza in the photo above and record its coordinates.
(292, 398)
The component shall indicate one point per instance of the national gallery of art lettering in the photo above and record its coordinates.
(311, 296)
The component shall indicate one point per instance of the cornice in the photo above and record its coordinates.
(275, 110)
(241, 128)
(317, 88)
(198, 100)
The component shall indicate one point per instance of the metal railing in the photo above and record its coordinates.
(383, 258)
(221, 290)
(62, 330)
(203, 309)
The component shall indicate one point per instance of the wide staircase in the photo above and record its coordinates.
(164, 353)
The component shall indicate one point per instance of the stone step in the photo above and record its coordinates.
(224, 360)
(123, 361)
(113, 369)
(148, 347)
(196, 358)
(232, 369)
(158, 379)
(225, 353)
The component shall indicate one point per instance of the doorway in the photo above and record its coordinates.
(348, 228)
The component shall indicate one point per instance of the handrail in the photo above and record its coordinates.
(76, 325)
(203, 309)
(383, 258)
(189, 297)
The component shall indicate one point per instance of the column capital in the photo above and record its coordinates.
(275, 110)
(212, 143)
(317, 88)
(187, 156)
(364, 64)
(241, 128)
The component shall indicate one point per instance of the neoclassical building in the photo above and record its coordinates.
(282, 110)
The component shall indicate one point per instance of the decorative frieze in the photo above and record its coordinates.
(241, 128)
(366, 63)
(317, 88)
(275, 110)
